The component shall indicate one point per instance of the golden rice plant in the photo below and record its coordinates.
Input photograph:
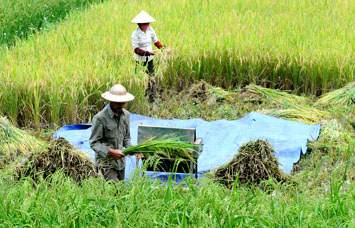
(16, 143)
(339, 98)
(299, 113)
(56, 77)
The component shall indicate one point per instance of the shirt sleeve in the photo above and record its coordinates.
(135, 40)
(96, 135)
(154, 36)
(127, 137)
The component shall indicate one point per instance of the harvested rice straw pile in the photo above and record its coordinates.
(304, 114)
(254, 163)
(206, 92)
(338, 98)
(15, 143)
(59, 155)
(258, 94)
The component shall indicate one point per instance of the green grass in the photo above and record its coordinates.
(323, 197)
(57, 77)
(21, 18)
(142, 203)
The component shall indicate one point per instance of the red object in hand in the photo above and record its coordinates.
(158, 44)
(141, 52)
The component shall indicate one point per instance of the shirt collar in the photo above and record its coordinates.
(140, 30)
(111, 113)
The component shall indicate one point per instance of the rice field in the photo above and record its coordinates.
(21, 18)
(56, 77)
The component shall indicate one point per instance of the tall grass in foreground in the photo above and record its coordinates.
(21, 18)
(142, 203)
(57, 77)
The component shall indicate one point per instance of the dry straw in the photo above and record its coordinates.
(60, 155)
(276, 97)
(253, 164)
(15, 143)
(304, 114)
(338, 98)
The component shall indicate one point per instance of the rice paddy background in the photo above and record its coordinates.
(57, 77)
(21, 18)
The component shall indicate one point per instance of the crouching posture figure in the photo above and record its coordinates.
(110, 133)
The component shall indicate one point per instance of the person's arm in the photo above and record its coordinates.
(96, 135)
(135, 46)
(155, 40)
(158, 45)
(141, 52)
(127, 136)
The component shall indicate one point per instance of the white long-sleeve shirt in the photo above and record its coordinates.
(143, 40)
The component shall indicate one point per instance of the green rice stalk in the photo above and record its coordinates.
(164, 146)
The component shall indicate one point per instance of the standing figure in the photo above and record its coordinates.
(110, 133)
(142, 39)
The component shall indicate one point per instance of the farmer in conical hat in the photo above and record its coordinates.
(142, 39)
(110, 133)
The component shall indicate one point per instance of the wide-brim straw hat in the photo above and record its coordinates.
(143, 17)
(118, 93)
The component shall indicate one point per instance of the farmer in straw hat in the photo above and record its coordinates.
(110, 133)
(142, 39)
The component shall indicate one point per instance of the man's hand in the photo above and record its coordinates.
(152, 53)
(116, 153)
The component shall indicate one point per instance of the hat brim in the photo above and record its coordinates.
(117, 98)
(141, 21)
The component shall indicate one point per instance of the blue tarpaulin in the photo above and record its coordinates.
(221, 138)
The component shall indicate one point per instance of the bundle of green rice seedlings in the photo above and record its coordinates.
(253, 164)
(60, 155)
(15, 144)
(164, 147)
(258, 94)
(339, 98)
(304, 114)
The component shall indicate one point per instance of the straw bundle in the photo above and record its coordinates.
(164, 147)
(60, 155)
(206, 92)
(253, 164)
(15, 143)
(257, 94)
(338, 98)
(303, 114)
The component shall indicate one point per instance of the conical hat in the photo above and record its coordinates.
(118, 93)
(143, 17)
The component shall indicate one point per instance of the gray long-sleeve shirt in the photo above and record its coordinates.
(110, 131)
